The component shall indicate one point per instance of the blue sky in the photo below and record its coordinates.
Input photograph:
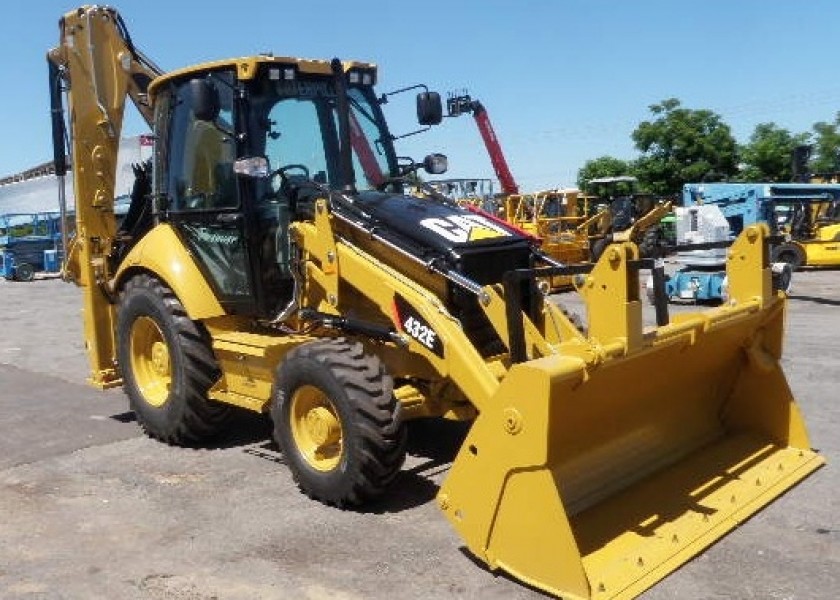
(564, 81)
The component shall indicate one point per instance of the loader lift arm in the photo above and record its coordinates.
(457, 105)
(99, 66)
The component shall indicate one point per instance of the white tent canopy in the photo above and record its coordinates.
(41, 193)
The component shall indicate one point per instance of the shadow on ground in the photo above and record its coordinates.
(434, 441)
(815, 300)
(244, 429)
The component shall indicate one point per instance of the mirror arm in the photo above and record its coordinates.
(383, 99)
(405, 135)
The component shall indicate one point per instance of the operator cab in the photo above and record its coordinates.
(621, 197)
(244, 147)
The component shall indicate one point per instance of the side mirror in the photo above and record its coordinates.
(436, 164)
(429, 108)
(204, 98)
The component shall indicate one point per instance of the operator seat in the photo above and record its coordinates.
(212, 168)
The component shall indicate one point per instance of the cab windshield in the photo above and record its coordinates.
(294, 124)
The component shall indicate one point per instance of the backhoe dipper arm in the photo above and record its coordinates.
(99, 67)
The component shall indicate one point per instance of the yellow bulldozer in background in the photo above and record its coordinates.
(271, 261)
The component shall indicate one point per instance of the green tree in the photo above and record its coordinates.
(603, 166)
(769, 153)
(680, 145)
(826, 146)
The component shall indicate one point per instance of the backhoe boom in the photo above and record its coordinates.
(98, 64)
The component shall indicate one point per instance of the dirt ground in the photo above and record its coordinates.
(90, 508)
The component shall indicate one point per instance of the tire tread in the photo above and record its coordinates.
(198, 418)
(376, 416)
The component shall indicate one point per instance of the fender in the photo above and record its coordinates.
(162, 253)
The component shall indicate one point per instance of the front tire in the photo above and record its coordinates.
(652, 239)
(337, 422)
(167, 365)
(598, 247)
(782, 274)
(790, 254)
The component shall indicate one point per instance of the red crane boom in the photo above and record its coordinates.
(456, 106)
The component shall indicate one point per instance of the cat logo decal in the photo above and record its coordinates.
(465, 228)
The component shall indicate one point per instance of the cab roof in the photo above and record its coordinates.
(247, 67)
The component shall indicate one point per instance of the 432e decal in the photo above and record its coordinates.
(412, 324)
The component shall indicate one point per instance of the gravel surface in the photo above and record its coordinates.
(90, 508)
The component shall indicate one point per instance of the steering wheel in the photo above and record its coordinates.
(284, 178)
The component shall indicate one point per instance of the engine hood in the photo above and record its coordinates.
(436, 226)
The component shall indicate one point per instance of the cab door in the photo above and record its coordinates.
(197, 184)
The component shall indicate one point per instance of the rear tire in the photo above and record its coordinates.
(337, 422)
(167, 365)
(24, 272)
(790, 254)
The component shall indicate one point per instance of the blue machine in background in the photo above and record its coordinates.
(29, 242)
(702, 275)
(717, 212)
(742, 204)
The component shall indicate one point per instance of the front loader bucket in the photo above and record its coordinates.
(595, 475)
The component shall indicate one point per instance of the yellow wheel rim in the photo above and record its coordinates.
(150, 361)
(316, 428)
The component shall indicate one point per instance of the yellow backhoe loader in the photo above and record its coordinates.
(272, 261)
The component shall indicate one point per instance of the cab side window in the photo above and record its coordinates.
(201, 152)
